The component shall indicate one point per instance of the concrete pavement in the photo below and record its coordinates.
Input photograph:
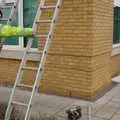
(52, 106)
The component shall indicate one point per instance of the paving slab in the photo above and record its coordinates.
(118, 111)
(98, 118)
(115, 117)
(96, 108)
(114, 102)
(106, 112)
(105, 108)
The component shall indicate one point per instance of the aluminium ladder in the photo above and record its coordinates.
(12, 8)
(42, 7)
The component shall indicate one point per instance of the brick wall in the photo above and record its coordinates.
(78, 63)
(79, 58)
(115, 65)
(9, 69)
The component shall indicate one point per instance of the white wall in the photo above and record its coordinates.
(117, 2)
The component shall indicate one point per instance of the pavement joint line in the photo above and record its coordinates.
(110, 117)
(102, 106)
(115, 113)
(117, 108)
(101, 118)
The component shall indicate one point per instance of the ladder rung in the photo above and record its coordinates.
(26, 86)
(43, 21)
(4, 19)
(30, 68)
(34, 52)
(47, 7)
(19, 103)
(5, 7)
(41, 36)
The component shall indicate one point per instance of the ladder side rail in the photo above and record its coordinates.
(39, 12)
(29, 45)
(49, 38)
(8, 111)
(42, 62)
(30, 41)
(12, 12)
(17, 80)
(7, 115)
(11, 16)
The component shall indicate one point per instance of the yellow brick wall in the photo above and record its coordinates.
(102, 43)
(78, 63)
(115, 65)
(9, 68)
(8, 72)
